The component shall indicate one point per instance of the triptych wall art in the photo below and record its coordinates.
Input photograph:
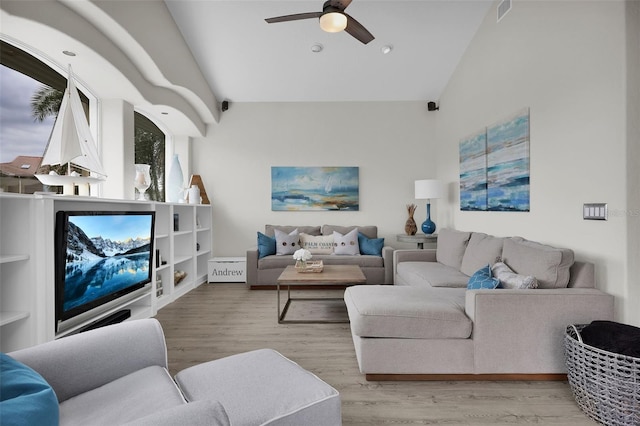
(315, 188)
(494, 166)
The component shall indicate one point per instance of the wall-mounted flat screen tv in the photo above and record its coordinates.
(100, 256)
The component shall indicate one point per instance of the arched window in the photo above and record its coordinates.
(149, 149)
(30, 96)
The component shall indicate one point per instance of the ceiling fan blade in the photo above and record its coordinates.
(340, 4)
(294, 17)
(356, 29)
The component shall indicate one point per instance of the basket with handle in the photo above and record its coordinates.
(605, 385)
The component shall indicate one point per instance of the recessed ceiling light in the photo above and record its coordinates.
(164, 113)
(317, 48)
(69, 53)
(387, 48)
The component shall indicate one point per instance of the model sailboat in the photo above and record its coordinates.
(71, 143)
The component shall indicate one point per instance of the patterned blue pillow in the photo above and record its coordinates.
(482, 279)
(266, 245)
(370, 246)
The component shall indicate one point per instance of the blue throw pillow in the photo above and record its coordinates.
(266, 245)
(370, 246)
(25, 397)
(483, 279)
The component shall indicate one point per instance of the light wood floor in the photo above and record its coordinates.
(217, 320)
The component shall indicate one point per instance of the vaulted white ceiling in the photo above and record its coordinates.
(244, 59)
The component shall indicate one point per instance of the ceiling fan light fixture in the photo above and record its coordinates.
(333, 22)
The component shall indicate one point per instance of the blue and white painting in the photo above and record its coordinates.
(508, 164)
(315, 188)
(473, 172)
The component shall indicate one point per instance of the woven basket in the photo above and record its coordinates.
(605, 385)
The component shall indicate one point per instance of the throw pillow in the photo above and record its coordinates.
(509, 279)
(482, 279)
(370, 246)
(347, 243)
(317, 244)
(25, 397)
(287, 243)
(266, 245)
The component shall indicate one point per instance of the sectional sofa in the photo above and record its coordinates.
(263, 269)
(118, 375)
(429, 325)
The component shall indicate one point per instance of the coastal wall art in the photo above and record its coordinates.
(495, 166)
(315, 188)
(473, 172)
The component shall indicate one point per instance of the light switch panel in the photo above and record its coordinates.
(594, 211)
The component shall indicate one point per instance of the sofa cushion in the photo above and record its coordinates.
(434, 274)
(511, 280)
(371, 246)
(311, 230)
(279, 262)
(263, 387)
(548, 264)
(135, 395)
(197, 413)
(368, 231)
(25, 396)
(346, 244)
(482, 279)
(287, 243)
(317, 244)
(407, 312)
(451, 247)
(482, 249)
(266, 245)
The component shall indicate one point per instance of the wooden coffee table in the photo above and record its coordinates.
(331, 275)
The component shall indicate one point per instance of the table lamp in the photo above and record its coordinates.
(428, 189)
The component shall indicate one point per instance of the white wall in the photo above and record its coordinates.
(567, 62)
(389, 142)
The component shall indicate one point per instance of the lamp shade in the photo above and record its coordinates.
(333, 22)
(427, 189)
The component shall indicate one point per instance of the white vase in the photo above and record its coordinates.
(194, 194)
(175, 181)
(142, 181)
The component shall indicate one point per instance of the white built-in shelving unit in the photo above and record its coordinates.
(27, 257)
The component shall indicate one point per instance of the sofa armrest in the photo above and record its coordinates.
(252, 266)
(387, 259)
(522, 331)
(76, 364)
(413, 255)
(197, 413)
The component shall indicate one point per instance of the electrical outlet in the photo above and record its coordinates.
(594, 211)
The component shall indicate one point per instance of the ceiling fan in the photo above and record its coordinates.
(333, 19)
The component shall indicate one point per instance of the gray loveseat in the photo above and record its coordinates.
(429, 324)
(118, 375)
(266, 270)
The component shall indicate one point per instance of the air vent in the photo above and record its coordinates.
(503, 8)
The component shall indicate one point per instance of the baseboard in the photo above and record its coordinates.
(465, 377)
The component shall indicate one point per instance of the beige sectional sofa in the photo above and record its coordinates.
(430, 326)
(264, 271)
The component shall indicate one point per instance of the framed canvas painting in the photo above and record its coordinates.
(508, 164)
(315, 188)
(473, 172)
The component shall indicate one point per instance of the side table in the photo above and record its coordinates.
(418, 239)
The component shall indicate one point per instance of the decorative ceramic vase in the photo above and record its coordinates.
(410, 227)
(175, 181)
(194, 194)
(142, 181)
